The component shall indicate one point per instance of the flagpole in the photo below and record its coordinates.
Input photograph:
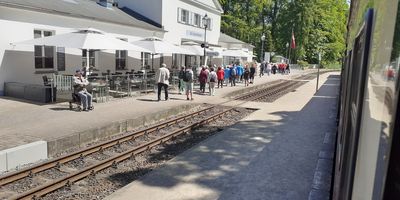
(290, 46)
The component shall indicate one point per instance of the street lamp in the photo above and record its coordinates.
(205, 23)
(262, 47)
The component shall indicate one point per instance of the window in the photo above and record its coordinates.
(91, 58)
(120, 58)
(184, 16)
(44, 55)
(196, 20)
(145, 57)
(60, 59)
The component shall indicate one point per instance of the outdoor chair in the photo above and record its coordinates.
(46, 81)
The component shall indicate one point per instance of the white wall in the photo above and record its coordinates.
(177, 31)
(17, 62)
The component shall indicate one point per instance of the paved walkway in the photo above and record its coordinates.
(275, 153)
(24, 122)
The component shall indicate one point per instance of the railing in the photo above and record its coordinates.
(106, 87)
(62, 82)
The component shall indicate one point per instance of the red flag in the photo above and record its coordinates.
(293, 44)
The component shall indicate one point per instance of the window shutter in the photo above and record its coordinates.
(179, 15)
(191, 18)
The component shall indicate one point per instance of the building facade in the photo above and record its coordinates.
(178, 22)
(25, 20)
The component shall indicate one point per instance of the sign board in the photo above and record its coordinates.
(194, 34)
(267, 57)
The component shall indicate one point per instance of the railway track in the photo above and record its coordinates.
(56, 163)
(112, 161)
(271, 92)
(144, 143)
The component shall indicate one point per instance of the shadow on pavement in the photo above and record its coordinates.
(271, 159)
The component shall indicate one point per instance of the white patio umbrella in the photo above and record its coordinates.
(84, 39)
(156, 45)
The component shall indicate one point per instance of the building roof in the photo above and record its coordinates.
(213, 5)
(228, 39)
(86, 9)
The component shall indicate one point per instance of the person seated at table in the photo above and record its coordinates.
(80, 84)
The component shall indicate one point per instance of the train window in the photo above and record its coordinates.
(391, 74)
(355, 80)
(379, 102)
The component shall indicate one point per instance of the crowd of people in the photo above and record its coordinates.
(216, 77)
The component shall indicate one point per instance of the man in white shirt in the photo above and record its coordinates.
(80, 84)
(162, 80)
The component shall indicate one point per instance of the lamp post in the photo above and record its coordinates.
(205, 23)
(262, 47)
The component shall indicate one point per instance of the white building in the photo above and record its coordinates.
(182, 21)
(24, 20)
(176, 21)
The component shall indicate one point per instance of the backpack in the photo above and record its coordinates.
(181, 75)
(233, 72)
(187, 77)
(212, 78)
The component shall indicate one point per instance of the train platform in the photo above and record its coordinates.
(23, 122)
(284, 150)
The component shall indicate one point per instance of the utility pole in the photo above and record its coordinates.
(205, 23)
(319, 63)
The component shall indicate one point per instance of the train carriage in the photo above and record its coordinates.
(367, 164)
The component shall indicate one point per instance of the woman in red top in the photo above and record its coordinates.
(220, 75)
(203, 79)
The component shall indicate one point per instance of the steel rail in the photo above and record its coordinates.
(91, 170)
(265, 92)
(278, 92)
(56, 162)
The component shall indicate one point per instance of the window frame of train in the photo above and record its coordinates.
(392, 183)
(355, 83)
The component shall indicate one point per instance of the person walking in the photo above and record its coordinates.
(213, 79)
(268, 70)
(181, 84)
(227, 75)
(162, 80)
(274, 68)
(203, 80)
(262, 68)
(240, 71)
(188, 78)
(220, 75)
(252, 73)
(233, 75)
(246, 76)
(80, 84)
(287, 71)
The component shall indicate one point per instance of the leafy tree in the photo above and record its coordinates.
(318, 25)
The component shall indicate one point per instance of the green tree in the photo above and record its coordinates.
(318, 25)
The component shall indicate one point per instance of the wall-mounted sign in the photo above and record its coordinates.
(194, 34)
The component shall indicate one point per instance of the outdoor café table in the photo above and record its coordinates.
(100, 91)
